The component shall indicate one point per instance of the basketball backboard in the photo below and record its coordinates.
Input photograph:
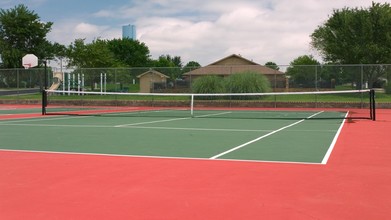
(29, 60)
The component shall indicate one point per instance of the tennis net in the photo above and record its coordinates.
(353, 104)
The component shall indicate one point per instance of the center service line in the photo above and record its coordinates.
(259, 138)
(167, 120)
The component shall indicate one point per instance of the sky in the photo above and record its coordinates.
(196, 30)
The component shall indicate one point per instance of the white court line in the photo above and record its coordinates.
(166, 120)
(328, 153)
(158, 128)
(261, 137)
(200, 129)
(58, 125)
(40, 119)
(151, 122)
(139, 127)
(137, 112)
(204, 116)
(157, 157)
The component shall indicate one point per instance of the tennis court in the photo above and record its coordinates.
(96, 162)
(299, 137)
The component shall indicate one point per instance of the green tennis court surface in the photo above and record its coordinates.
(8, 111)
(299, 137)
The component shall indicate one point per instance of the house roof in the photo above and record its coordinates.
(153, 72)
(234, 60)
(233, 64)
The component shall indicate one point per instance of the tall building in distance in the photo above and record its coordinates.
(129, 31)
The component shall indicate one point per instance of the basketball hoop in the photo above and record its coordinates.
(29, 60)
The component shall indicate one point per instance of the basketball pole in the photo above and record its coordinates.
(46, 74)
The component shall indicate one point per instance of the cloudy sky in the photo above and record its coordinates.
(196, 30)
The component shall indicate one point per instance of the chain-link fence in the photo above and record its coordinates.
(180, 80)
(21, 81)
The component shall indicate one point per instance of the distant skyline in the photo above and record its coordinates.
(196, 30)
(129, 31)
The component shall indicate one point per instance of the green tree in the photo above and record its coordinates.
(167, 61)
(303, 71)
(168, 65)
(177, 61)
(94, 55)
(272, 65)
(162, 61)
(21, 32)
(58, 51)
(129, 52)
(108, 54)
(357, 36)
(192, 65)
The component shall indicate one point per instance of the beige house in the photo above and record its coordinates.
(236, 64)
(151, 80)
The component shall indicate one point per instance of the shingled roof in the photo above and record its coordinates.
(153, 72)
(232, 64)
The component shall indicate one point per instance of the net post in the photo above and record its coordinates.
(44, 101)
(192, 105)
(372, 104)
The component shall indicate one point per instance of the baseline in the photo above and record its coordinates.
(156, 157)
(138, 127)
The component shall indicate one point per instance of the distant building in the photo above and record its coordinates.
(237, 64)
(152, 81)
(129, 31)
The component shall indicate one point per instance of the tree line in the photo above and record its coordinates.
(22, 32)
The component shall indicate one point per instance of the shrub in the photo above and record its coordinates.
(208, 84)
(246, 82)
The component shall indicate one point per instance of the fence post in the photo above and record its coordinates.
(362, 76)
(316, 78)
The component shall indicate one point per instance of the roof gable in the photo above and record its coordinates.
(153, 72)
(233, 60)
(233, 64)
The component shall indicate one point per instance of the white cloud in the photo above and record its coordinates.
(104, 14)
(86, 29)
(253, 32)
(67, 32)
(205, 31)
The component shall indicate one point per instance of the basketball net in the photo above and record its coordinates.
(27, 65)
